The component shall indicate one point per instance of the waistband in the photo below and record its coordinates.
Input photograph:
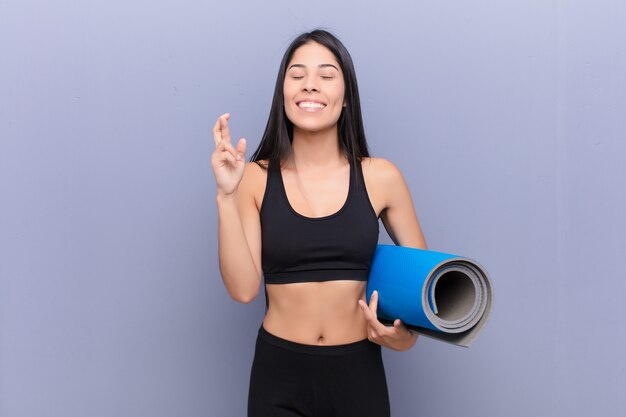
(316, 349)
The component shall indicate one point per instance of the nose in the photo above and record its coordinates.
(309, 85)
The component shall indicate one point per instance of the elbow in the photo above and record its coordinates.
(244, 298)
(243, 291)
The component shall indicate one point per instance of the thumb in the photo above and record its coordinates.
(241, 148)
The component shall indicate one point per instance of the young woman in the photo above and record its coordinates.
(302, 216)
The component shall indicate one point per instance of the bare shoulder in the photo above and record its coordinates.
(382, 179)
(381, 170)
(255, 172)
(253, 182)
(398, 213)
(261, 164)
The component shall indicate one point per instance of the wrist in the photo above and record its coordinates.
(409, 342)
(225, 197)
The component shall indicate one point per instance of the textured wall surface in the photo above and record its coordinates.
(506, 119)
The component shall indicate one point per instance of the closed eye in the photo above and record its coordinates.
(325, 77)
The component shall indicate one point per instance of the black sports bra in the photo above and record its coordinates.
(296, 248)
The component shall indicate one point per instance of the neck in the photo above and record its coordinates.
(317, 150)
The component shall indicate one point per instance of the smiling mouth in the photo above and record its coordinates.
(311, 106)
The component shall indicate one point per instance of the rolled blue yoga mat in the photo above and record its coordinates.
(443, 296)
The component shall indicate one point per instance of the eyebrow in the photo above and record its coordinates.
(319, 66)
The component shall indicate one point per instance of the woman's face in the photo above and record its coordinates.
(314, 88)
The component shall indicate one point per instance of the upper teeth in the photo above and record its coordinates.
(310, 104)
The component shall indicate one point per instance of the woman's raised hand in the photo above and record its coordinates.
(227, 161)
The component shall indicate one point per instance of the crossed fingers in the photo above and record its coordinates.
(221, 130)
(222, 140)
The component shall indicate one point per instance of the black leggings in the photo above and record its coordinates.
(290, 379)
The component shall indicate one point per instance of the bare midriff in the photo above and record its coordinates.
(317, 313)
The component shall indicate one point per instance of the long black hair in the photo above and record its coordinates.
(278, 136)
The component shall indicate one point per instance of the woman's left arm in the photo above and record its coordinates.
(402, 225)
(398, 215)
